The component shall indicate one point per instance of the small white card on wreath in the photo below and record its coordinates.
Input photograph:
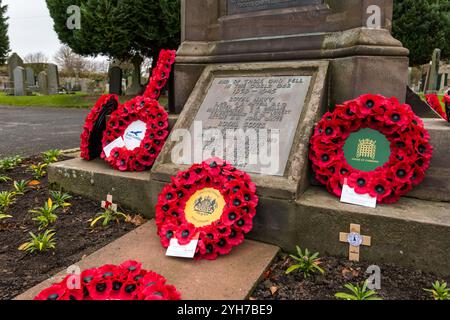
(134, 134)
(350, 196)
(118, 143)
(186, 251)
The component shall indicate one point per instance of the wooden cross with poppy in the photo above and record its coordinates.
(108, 204)
(355, 241)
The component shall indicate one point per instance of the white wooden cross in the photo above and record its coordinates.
(355, 240)
(108, 204)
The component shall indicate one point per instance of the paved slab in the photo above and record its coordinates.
(28, 131)
(232, 277)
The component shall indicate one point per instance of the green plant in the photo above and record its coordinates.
(4, 178)
(51, 156)
(358, 293)
(4, 216)
(10, 162)
(107, 216)
(39, 170)
(439, 291)
(307, 263)
(45, 215)
(20, 187)
(61, 198)
(6, 200)
(41, 242)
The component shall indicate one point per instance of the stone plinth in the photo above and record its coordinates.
(362, 60)
(196, 280)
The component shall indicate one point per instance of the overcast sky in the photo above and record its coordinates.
(31, 28)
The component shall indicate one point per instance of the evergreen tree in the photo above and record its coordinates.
(128, 30)
(4, 39)
(422, 26)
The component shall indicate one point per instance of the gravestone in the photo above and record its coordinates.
(20, 86)
(13, 62)
(53, 78)
(234, 31)
(115, 80)
(31, 79)
(431, 85)
(43, 83)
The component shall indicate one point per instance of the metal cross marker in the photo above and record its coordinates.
(108, 204)
(355, 240)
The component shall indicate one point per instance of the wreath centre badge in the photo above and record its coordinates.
(204, 207)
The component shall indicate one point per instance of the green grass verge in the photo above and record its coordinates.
(58, 101)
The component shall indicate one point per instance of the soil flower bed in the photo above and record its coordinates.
(397, 283)
(21, 270)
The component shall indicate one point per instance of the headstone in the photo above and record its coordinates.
(274, 105)
(53, 78)
(31, 79)
(20, 86)
(432, 84)
(115, 80)
(43, 82)
(13, 62)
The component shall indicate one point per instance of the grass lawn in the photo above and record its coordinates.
(78, 100)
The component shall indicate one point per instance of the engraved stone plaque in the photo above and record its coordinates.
(263, 109)
(242, 6)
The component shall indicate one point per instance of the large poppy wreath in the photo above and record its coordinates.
(110, 282)
(142, 124)
(387, 165)
(91, 137)
(213, 202)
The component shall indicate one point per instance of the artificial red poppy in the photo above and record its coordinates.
(409, 143)
(127, 281)
(229, 185)
(94, 126)
(55, 292)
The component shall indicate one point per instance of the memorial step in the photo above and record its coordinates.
(412, 232)
(231, 277)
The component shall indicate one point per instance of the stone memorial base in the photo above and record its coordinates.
(197, 280)
(414, 232)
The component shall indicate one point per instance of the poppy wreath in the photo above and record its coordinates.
(95, 123)
(410, 150)
(154, 116)
(127, 281)
(211, 201)
(160, 74)
(433, 101)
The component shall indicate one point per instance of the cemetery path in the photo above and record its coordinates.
(27, 131)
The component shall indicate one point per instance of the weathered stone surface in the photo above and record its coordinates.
(242, 6)
(115, 80)
(31, 79)
(196, 280)
(95, 179)
(53, 78)
(295, 178)
(14, 61)
(20, 86)
(326, 30)
(43, 82)
(413, 232)
(436, 186)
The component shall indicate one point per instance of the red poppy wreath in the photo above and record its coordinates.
(110, 282)
(213, 202)
(95, 124)
(135, 134)
(377, 144)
